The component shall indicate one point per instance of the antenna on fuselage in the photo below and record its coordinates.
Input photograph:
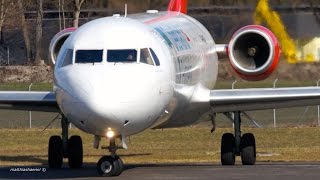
(125, 10)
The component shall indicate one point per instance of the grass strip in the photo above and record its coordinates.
(184, 145)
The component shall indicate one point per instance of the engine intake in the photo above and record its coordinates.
(254, 52)
(57, 42)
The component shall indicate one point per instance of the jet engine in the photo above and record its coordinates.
(253, 52)
(57, 42)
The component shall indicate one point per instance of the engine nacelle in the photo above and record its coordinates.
(57, 42)
(254, 52)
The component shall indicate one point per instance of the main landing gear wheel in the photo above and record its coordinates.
(75, 152)
(62, 147)
(228, 155)
(110, 166)
(237, 145)
(248, 149)
(55, 152)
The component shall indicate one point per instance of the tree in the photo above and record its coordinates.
(4, 7)
(37, 59)
(25, 31)
(63, 14)
(76, 13)
(61, 8)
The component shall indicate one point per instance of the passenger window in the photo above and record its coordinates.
(122, 55)
(88, 56)
(67, 60)
(145, 57)
(155, 58)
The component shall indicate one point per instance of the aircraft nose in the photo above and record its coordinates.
(122, 97)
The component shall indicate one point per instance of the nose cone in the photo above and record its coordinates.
(126, 98)
(120, 92)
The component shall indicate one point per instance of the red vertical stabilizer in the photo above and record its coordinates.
(178, 6)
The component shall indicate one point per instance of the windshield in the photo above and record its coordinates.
(88, 56)
(122, 55)
(67, 58)
(145, 57)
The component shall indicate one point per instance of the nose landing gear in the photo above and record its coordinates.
(110, 165)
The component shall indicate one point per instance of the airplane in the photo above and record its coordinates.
(117, 76)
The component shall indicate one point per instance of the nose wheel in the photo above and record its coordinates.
(110, 166)
(237, 145)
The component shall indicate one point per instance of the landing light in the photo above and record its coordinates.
(110, 133)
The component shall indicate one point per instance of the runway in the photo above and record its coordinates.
(261, 171)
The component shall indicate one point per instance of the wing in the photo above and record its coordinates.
(263, 98)
(29, 100)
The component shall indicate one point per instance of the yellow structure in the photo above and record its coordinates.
(309, 50)
(264, 13)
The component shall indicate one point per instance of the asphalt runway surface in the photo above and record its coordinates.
(261, 171)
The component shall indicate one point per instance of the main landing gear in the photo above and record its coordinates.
(110, 165)
(60, 148)
(237, 145)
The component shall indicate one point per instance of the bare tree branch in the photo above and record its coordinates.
(37, 59)
(77, 8)
(4, 7)
(25, 31)
(63, 14)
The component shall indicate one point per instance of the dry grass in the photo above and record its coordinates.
(185, 145)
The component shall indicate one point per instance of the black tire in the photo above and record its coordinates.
(108, 166)
(55, 155)
(120, 164)
(248, 149)
(228, 156)
(75, 152)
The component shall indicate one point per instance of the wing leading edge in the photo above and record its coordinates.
(29, 100)
(263, 98)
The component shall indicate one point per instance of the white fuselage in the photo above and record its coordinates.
(130, 97)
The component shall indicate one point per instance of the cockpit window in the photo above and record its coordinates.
(67, 58)
(88, 56)
(155, 58)
(145, 57)
(122, 55)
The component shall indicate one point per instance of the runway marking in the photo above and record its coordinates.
(267, 154)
